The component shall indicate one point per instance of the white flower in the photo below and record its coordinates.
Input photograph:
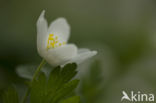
(52, 43)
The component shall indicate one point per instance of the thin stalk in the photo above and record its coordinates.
(34, 78)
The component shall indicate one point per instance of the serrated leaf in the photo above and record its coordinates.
(54, 80)
(10, 96)
(38, 89)
(74, 99)
(56, 86)
(65, 90)
(59, 76)
(68, 72)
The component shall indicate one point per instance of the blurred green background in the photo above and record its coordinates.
(123, 32)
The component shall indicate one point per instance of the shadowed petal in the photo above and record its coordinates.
(41, 34)
(82, 55)
(60, 55)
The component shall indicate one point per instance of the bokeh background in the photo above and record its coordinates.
(123, 32)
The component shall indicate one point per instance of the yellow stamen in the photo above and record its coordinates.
(53, 42)
(60, 44)
(64, 43)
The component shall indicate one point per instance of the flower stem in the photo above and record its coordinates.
(34, 78)
(38, 69)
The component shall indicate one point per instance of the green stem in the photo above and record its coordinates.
(38, 69)
(34, 78)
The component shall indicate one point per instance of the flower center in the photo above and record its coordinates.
(53, 42)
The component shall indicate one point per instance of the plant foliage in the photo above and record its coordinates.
(57, 87)
(10, 96)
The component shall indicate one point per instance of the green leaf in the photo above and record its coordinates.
(56, 87)
(54, 81)
(59, 77)
(10, 96)
(66, 90)
(74, 99)
(38, 89)
(68, 72)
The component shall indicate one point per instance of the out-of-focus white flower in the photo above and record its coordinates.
(52, 43)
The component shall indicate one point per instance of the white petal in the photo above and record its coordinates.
(82, 55)
(42, 29)
(82, 50)
(60, 55)
(61, 28)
